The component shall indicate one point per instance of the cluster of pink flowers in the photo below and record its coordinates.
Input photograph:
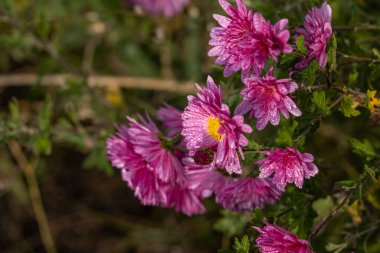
(167, 8)
(151, 167)
(181, 167)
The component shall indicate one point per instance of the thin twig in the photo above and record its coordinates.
(355, 58)
(35, 196)
(321, 225)
(336, 102)
(357, 27)
(99, 81)
(324, 223)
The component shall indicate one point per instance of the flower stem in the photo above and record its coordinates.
(321, 225)
(35, 196)
(324, 223)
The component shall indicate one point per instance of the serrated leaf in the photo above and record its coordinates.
(319, 99)
(347, 107)
(242, 246)
(300, 42)
(308, 73)
(364, 149)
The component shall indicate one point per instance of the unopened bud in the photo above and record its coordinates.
(204, 156)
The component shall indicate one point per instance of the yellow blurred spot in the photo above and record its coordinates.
(212, 127)
(354, 211)
(113, 95)
(373, 194)
(373, 101)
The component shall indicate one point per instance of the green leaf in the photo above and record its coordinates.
(288, 58)
(98, 159)
(231, 223)
(347, 107)
(43, 145)
(336, 248)
(284, 133)
(319, 99)
(302, 218)
(371, 172)
(300, 42)
(364, 149)
(323, 207)
(308, 73)
(14, 110)
(347, 184)
(241, 246)
(45, 115)
(306, 120)
(352, 77)
(332, 53)
(376, 52)
(257, 216)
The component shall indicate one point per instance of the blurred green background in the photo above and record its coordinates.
(61, 130)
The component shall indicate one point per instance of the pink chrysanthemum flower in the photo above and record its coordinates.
(146, 185)
(247, 194)
(168, 8)
(266, 98)
(171, 119)
(207, 124)
(245, 40)
(146, 141)
(274, 239)
(288, 166)
(202, 179)
(184, 200)
(317, 32)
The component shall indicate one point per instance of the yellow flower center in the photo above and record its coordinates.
(373, 101)
(212, 127)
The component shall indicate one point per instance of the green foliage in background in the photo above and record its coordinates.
(62, 130)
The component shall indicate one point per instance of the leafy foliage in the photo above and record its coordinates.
(62, 128)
